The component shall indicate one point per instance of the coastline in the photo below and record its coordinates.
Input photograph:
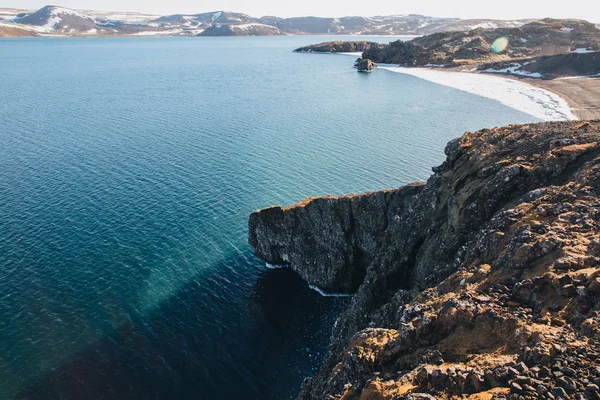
(581, 93)
(461, 329)
(521, 95)
(560, 99)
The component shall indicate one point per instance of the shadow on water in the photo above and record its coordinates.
(236, 331)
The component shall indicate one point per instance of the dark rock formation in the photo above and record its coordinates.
(483, 280)
(337, 47)
(330, 241)
(549, 67)
(365, 65)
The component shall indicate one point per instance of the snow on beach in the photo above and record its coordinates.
(514, 69)
(582, 50)
(522, 96)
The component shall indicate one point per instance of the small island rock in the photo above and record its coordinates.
(365, 65)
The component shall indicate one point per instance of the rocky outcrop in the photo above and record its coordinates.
(337, 47)
(365, 65)
(450, 49)
(330, 241)
(484, 280)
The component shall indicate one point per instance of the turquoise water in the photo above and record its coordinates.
(128, 168)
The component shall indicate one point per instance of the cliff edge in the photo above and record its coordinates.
(484, 281)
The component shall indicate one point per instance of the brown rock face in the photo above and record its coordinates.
(9, 31)
(484, 280)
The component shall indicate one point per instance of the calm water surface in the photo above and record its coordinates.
(128, 168)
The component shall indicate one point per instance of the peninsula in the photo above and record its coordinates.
(483, 281)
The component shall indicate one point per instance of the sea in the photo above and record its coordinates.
(128, 170)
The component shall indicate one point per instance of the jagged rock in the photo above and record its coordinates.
(515, 387)
(365, 65)
(330, 241)
(594, 285)
(559, 393)
(592, 391)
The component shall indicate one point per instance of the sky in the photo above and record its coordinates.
(506, 9)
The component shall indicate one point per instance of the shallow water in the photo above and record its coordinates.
(128, 168)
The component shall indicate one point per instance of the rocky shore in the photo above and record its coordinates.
(451, 49)
(482, 282)
(549, 67)
(548, 49)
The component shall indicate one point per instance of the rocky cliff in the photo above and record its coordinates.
(483, 281)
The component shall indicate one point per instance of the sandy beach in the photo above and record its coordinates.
(518, 94)
(557, 99)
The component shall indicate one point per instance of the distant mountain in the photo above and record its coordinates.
(251, 29)
(206, 19)
(219, 23)
(382, 25)
(55, 20)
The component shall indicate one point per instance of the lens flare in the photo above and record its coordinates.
(499, 45)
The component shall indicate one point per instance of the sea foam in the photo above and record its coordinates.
(326, 294)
